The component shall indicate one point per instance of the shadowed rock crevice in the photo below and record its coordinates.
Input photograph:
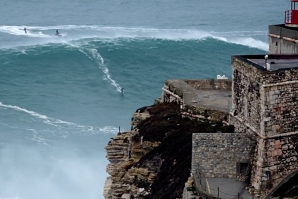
(172, 158)
(154, 159)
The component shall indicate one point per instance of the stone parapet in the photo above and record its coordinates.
(209, 84)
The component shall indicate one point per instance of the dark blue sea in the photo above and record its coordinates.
(60, 99)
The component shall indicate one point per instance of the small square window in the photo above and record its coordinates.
(243, 168)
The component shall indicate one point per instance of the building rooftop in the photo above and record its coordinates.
(282, 26)
(272, 63)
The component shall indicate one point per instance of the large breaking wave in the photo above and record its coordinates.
(45, 34)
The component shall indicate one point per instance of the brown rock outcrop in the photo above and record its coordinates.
(153, 160)
(123, 153)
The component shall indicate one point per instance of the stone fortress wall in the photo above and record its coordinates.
(264, 104)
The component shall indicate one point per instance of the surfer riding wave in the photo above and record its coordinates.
(57, 33)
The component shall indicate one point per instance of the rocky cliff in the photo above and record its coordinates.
(153, 160)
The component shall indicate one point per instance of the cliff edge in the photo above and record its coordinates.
(153, 160)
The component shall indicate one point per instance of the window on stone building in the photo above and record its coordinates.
(243, 172)
(243, 168)
(276, 43)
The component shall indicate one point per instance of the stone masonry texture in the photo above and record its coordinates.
(266, 100)
(265, 103)
(217, 154)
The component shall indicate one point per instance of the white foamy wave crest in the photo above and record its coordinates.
(78, 32)
(40, 140)
(18, 30)
(246, 41)
(46, 119)
(108, 32)
(63, 126)
(93, 55)
(36, 134)
(100, 61)
(110, 129)
(251, 43)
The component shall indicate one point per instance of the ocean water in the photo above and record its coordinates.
(60, 99)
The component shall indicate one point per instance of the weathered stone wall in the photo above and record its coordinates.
(240, 126)
(279, 103)
(266, 101)
(246, 101)
(217, 154)
(281, 76)
(277, 159)
(204, 113)
(280, 110)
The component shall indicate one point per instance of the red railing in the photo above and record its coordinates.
(288, 17)
(291, 17)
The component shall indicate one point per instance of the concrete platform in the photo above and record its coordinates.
(227, 188)
(215, 99)
(218, 99)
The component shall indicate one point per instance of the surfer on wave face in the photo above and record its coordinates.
(57, 32)
(25, 30)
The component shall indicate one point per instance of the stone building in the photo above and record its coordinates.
(263, 150)
(262, 153)
(220, 161)
(265, 104)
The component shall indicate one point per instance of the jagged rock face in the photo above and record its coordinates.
(154, 159)
(127, 180)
